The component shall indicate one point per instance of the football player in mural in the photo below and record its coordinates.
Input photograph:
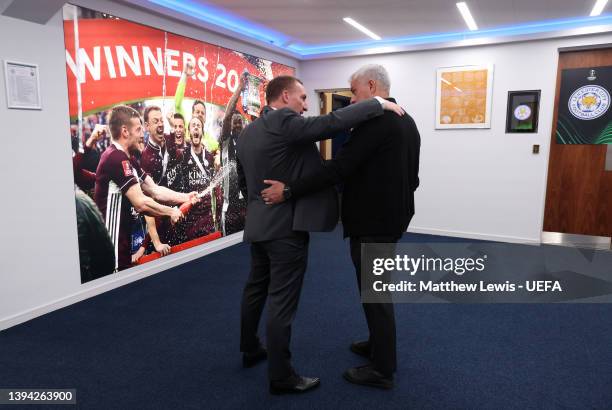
(177, 127)
(234, 203)
(198, 169)
(198, 108)
(161, 159)
(122, 185)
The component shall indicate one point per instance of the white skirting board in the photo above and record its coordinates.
(473, 235)
(123, 278)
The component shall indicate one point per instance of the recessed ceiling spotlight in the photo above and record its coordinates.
(467, 16)
(361, 28)
(598, 7)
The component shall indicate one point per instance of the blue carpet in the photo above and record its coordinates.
(170, 341)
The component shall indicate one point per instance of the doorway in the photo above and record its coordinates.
(578, 209)
(331, 100)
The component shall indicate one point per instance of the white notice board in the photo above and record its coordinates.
(22, 85)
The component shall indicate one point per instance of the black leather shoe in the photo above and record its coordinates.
(250, 359)
(294, 384)
(367, 376)
(361, 348)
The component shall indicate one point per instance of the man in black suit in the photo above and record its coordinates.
(379, 166)
(281, 145)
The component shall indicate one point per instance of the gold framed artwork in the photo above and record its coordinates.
(463, 96)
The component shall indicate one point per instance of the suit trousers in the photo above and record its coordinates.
(379, 316)
(277, 273)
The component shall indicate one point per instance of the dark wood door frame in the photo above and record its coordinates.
(579, 190)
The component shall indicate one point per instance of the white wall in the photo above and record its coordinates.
(39, 265)
(474, 183)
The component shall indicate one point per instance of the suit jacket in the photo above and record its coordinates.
(379, 166)
(281, 145)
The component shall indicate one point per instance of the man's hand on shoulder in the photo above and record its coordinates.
(274, 193)
(390, 106)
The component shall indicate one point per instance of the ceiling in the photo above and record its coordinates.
(307, 28)
(315, 22)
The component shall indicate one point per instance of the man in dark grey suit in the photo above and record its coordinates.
(281, 145)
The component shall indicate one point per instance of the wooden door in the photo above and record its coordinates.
(579, 189)
(329, 101)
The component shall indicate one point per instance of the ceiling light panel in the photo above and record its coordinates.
(598, 7)
(362, 28)
(467, 15)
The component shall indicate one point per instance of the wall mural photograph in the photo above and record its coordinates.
(154, 121)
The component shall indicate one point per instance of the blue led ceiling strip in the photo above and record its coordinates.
(522, 29)
(225, 20)
(244, 27)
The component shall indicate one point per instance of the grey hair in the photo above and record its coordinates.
(374, 72)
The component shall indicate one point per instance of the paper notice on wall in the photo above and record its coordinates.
(22, 85)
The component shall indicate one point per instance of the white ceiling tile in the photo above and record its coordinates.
(320, 21)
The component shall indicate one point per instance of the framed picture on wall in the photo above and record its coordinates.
(523, 110)
(463, 96)
(22, 85)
